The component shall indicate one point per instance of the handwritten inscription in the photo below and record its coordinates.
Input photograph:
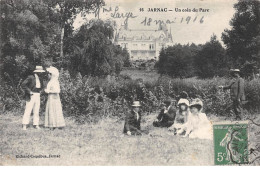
(126, 16)
(148, 21)
(116, 14)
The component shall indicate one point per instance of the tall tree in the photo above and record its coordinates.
(211, 60)
(177, 60)
(243, 39)
(68, 10)
(27, 35)
(94, 52)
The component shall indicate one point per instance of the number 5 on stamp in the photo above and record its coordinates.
(230, 143)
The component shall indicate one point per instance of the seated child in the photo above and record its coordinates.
(133, 120)
(198, 125)
(181, 116)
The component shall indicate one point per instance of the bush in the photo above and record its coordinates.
(89, 99)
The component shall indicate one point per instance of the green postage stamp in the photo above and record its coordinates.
(231, 143)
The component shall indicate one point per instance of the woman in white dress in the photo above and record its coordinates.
(198, 125)
(181, 116)
(53, 114)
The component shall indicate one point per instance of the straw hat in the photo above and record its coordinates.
(183, 101)
(136, 104)
(39, 69)
(195, 102)
(234, 70)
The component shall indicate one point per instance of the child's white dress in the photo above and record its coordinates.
(199, 126)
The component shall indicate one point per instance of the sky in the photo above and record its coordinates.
(215, 15)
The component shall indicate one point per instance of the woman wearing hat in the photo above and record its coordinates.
(32, 86)
(53, 113)
(181, 116)
(198, 125)
(133, 120)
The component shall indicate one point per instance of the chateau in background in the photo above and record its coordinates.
(143, 44)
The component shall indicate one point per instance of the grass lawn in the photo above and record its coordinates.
(99, 144)
(147, 76)
(102, 144)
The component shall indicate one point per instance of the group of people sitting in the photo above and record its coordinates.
(185, 119)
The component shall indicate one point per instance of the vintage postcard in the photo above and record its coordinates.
(130, 83)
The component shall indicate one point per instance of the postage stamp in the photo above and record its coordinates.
(231, 143)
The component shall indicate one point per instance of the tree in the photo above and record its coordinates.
(243, 39)
(177, 61)
(94, 52)
(68, 10)
(211, 59)
(28, 37)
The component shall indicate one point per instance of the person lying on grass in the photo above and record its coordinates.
(133, 120)
(197, 125)
(167, 115)
(181, 116)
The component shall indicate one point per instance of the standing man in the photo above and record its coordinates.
(167, 115)
(32, 87)
(237, 92)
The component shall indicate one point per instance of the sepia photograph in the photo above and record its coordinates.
(130, 83)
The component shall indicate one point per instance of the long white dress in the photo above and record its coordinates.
(53, 114)
(198, 126)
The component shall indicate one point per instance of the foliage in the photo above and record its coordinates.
(211, 60)
(67, 10)
(176, 60)
(89, 99)
(28, 37)
(243, 39)
(94, 53)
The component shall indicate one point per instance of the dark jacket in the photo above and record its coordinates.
(29, 85)
(169, 116)
(132, 123)
(237, 89)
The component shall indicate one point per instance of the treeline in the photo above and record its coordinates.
(41, 32)
(241, 49)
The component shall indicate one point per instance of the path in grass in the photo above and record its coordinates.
(99, 144)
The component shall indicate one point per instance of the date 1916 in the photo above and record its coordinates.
(149, 21)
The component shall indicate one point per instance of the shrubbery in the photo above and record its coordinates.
(89, 99)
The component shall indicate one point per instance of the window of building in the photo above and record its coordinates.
(151, 46)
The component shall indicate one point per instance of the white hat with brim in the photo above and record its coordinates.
(183, 101)
(39, 69)
(195, 102)
(136, 104)
(234, 70)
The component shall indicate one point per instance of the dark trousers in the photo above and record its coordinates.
(238, 109)
(162, 123)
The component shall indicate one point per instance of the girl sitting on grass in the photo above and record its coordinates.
(181, 116)
(198, 125)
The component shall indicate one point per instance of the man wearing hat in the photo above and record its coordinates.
(133, 120)
(237, 92)
(167, 115)
(32, 87)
